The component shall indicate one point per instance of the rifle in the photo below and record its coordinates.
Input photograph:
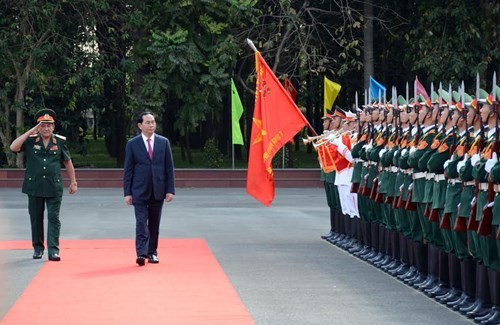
(410, 205)
(484, 228)
(461, 222)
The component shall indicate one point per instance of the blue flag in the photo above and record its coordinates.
(376, 89)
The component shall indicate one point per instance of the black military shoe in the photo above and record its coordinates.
(152, 258)
(54, 257)
(140, 261)
(37, 255)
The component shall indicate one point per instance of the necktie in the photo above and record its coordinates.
(150, 150)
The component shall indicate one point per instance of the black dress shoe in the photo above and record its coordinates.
(54, 257)
(493, 319)
(153, 259)
(331, 233)
(37, 255)
(481, 319)
(141, 260)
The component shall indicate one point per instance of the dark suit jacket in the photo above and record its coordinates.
(143, 177)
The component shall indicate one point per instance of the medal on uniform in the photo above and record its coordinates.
(37, 147)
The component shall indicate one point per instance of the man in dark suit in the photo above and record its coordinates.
(148, 180)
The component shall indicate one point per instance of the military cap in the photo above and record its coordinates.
(339, 112)
(328, 114)
(447, 101)
(350, 116)
(45, 115)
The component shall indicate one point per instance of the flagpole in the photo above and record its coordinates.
(252, 45)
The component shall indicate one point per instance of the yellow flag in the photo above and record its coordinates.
(330, 91)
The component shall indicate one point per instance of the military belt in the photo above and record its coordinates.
(483, 186)
(496, 188)
(454, 181)
(419, 175)
(469, 183)
(408, 171)
(394, 169)
(439, 177)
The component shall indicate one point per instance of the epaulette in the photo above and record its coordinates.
(60, 137)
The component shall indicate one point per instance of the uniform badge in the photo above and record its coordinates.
(442, 148)
(53, 148)
(472, 151)
(422, 145)
(460, 151)
(435, 144)
(363, 138)
(37, 147)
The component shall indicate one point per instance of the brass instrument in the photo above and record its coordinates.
(325, 138)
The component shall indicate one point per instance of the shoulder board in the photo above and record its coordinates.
(60, 137)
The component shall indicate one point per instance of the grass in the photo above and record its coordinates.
(98, 157)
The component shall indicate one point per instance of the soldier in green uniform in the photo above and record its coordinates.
(435, 165)
(469, 188)
(458, 258)
(493, 168)
(43, 182)
(419, 156)
(402, 220)
(485, 231)
(363, 132)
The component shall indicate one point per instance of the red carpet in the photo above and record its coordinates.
(97, 282)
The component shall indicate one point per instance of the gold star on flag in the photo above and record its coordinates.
(258, 123)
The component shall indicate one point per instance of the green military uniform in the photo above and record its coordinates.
(419, 181)
(387, 180)
(435, 165)
(468, 191)
(403, 222)
(495, 178)
(453, 193)
(487, 243)
(43, 183)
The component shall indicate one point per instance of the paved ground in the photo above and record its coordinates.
(282, 270)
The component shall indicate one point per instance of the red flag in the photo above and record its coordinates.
(291, 89)
(420, 90)
(276, 119)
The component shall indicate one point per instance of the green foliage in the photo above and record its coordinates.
(213, 158)
(452, 40)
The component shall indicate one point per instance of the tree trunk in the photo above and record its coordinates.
(368, 42)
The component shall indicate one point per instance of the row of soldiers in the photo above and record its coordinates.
(424, 176)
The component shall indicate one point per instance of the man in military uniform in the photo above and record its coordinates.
(43, 182)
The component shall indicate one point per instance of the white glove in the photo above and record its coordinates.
(337, 141)
(446, 163)
(413, 149)
(491, 204)
(369, 145)
(491, 162)
(401, 188)
(474, 159)
(381, 153)
(403, 151)
(410, 187)
(473, 201)
(462, 163)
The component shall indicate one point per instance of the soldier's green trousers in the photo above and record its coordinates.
(36, 208)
